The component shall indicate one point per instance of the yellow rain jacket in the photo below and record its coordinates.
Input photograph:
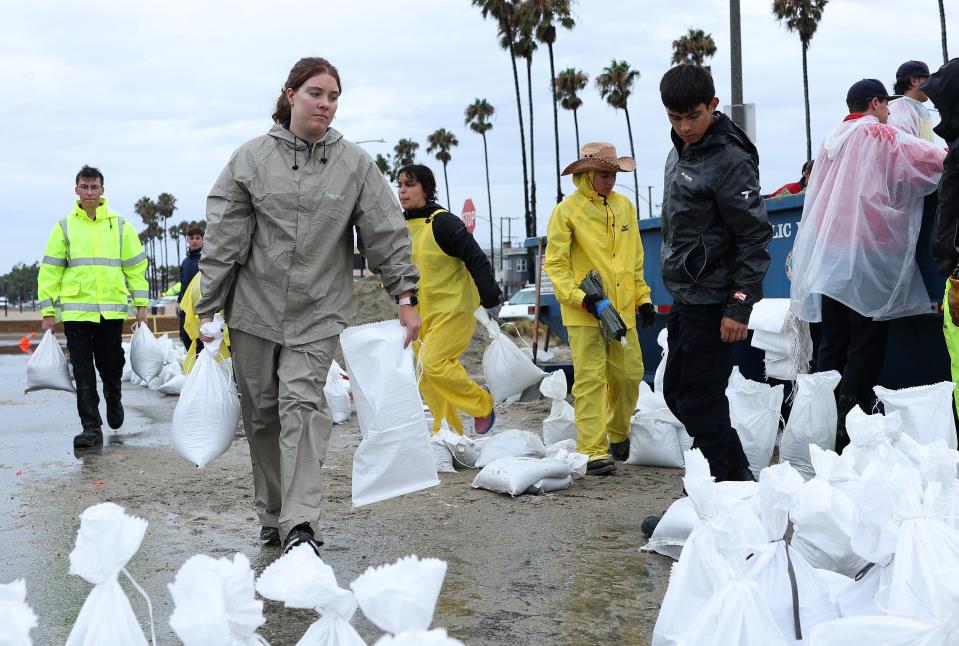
(446, 286)
(588, 232)
(191, 325)
(91, 268)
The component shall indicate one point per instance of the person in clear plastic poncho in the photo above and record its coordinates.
(854, 262)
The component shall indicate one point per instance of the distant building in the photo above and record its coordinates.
(512, 271)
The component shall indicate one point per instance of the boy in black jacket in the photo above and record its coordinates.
(714, 257)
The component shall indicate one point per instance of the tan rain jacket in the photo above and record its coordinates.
(278, 250)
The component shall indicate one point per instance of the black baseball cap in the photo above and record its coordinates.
(912, 68)
(866, 90)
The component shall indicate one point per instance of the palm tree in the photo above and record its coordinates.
(385, 164)
(442, 141)
(550, 12)
(942, 25)
(503, 12)
(175, 235)
(615, 85)
(802, 16)
(524, 46)
(567, 84)
(146, 208)
(478, 114)
(405, 150)
(165, 205)
(694, 48)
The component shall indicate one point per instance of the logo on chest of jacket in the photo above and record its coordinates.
(740, 296)
(686, 176)
(624, 228)
(331, 196)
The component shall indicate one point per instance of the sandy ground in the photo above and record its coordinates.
(561, 568)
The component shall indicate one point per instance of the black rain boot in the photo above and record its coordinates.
(89, 438)
(111, 392)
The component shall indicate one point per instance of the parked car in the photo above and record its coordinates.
(521, 306)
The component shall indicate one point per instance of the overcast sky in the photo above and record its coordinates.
(158, 94)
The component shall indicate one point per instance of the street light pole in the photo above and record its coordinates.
(650, 201)
(736, 64)
(368, 141)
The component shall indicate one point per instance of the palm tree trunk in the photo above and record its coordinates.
(552, 85)
(632, 152)
(576, 127)
(446, 181)
(530, 231)
(489, 202)
(176, 243)
(805, 85)
(166, 261)
(532, 149)
(942, 24)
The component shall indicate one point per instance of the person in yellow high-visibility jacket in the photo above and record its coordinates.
(455, 277)
(596, 228)
(93, 264)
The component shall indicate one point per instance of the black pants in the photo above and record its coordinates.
(853, 345)
(185, 338)
(697, 372)
(95, 344)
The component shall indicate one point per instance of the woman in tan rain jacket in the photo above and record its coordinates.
(278, 256)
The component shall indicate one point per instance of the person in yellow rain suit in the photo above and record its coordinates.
(93, 263)
(455, 277)
(596, 228)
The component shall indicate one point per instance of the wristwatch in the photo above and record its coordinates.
(409, 300)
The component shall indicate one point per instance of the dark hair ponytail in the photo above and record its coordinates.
(304, 70)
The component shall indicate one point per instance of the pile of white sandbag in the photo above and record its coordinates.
(873, 554)
(784, 338)
(154, 362)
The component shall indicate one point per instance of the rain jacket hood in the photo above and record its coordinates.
(278, 250)
(943, 88)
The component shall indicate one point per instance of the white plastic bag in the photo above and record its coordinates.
(337, 393)
(560, 424)
(926, 411)
(394, 458)
(400, 596)
(215, 602)
(508, 370)
(16, 617)
(812, 420)
(107, 540)
(300, 580)
(47, 368)
(207, 414)
(514, 475)
(511, 443)
(146, 354)
(754, 411)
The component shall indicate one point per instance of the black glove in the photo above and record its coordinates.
(590, 301)
(647, 314)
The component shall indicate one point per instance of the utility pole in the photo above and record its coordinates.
(736, 63)
(650, 201)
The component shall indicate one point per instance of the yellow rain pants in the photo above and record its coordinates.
(951, 333)
(447, 299)
(605, 387)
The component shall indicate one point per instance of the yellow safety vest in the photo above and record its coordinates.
(446, 286)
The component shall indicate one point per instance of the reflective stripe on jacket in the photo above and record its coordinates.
(588, 232)
(446, 286)
(91, 268)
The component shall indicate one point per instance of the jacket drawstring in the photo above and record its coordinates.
(295, 166)
(323, 157)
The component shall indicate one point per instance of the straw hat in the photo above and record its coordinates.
(600, 156)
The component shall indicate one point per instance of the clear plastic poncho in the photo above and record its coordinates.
(860, 223)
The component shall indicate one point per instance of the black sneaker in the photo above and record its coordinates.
(600, 467)
(115, 415)
(270, 536)
(88, 439)
(619, 450)
(649, 524)
(299, 535)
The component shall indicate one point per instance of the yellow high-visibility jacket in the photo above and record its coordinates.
(91, 268)
(587, 232)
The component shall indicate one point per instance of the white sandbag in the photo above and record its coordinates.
(127, 366)
(208, 411)
(769, 315)
(169, 372)
(135, 380)
(887, 630)
(400, 596)
(16, 617)
(779, 367)
(435, 637)
(736, 615)
(940, 469)
(47, 368)
(174, 386)
(464, 450)
(560, 424)
(300, 580)
(568, 445)
(337, 393)
(106, 541)
(508, 370)
(549, 485)
(823, 515)
(654, 440)
(754, 411)
(511, 443)
(394, 458)
(870, 441)
(214, 602)
(442, 458)
(926, 411)
(514, 475)
(795, 594)
(673, 529)
(812, 420)
(577, 462)
(146, 354)
(772, 342)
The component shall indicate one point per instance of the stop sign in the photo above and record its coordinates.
(469, 215)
